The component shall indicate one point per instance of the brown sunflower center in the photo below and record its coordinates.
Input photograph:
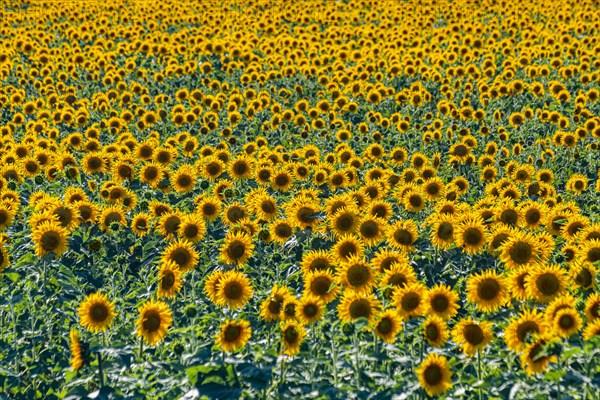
(320, 286)
(445, 231)
(403, 237)
(236, 250)
(347, 249)
(433, 375)
(151, 322)
(344, 222)
(232, 333)
(385, 326)
(488, 289)
(432, 332)
(410, 301)
(268, 207)
(548, 284)
(184, 180)
(369, 229)
(99, 312)
(360, 308)
(440, 303)
(566, 322)
(593, 254)
(358, 275)
(233, 290)
(50, 240)
(283, 230)
(310, 310)
(527, 328)
(180, 256)
(520, 253)
(472, 236)
(473, 334)
(291, 335)
(191, 231)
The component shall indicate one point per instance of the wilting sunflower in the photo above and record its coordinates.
(346, 247)
(442, 231)
(237, 249)
(154, 322)
(233, 290)
(96, 312)
(471, 234)
(535, 357)
(50, 237)
(410, 300)
(546, 282)
(192, 228)
(522, 329)
(387, 325)
(233, 335)
(78, 351)
(292, 336)
(591, 330)
(471, 335)
(270, 308)
(487, 290)
(442, 301)
(309, 309)
(169, 280)
(321, 283)
(356, 275)
(435, 331)
(566, 322)
(402, 234)
(355, 305)
(435, 375)
(182, 253)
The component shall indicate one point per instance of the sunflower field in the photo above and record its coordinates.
(332, 199)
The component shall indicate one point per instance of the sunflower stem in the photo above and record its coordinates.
(100, 373)
(141, 348)
(334, 359)
(559, 367)
(479, 377)
(356, 357)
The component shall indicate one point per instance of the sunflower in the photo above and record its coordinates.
(169, 280)
(591, 330)
(487, 290)
(309, 309)
(140, 224)
(472, 335)
(233, 290)
(356, 305)
(211, 283)
(535, 357)
(281, 180)
(508, 214)
(182, 253)
(442, 301)
(435, 375)
(385, 258)
(471, 234)
(302, 212)
(96, 312)
(211, 168)
(234, 213)
(356, 275)
(372, 230)
(589, 250)
(566, 322)
(435, 331)
(410, 299)
(50, 237)
(265, 207)
(583, 274)
(519, 250)
(442, 231)
(4, 257)
(78, 351)
(111, 217)
(387, 325)
(154, 322)
(292, 336)
(184, 179)
(397, 276)
(433, 188)
(192, 228)
(344, 221)
(546, 282)
(592, 307)
(209, 208)
(168, 224)
(151, 174)
(7, 215)
(321, 284)
(522, 328)
(402, 234)
(237, 249)
(316, 260)
(289, 309)
(414, 200)
(346, 247)
(233, 335)
(270, 308)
